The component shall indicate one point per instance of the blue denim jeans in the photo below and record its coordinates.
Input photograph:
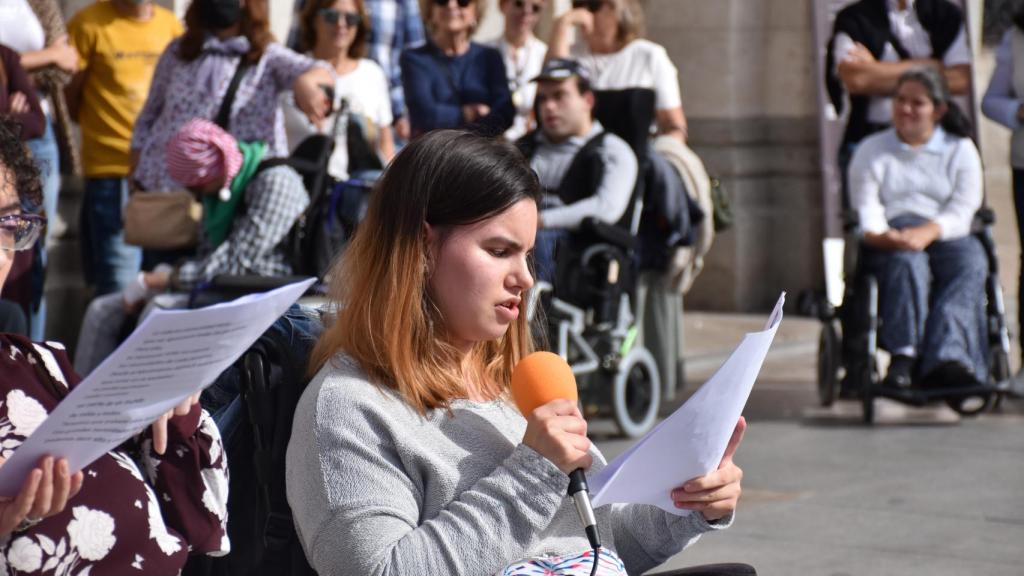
(47, 156)
(933, 302)
(109, 264)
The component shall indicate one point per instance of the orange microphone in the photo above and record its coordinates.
(536, 380)
(540, 378)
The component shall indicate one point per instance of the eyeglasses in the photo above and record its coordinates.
(333, 16)
(461, 3)
(529, 7)
(20, 231)
(593, 6)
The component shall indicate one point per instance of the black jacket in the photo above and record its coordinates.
(867, 22)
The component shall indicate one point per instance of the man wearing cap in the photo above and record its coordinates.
(585, 171)
(248, 211)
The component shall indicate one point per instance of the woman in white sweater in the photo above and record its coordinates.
(407, 455)
(916, 187)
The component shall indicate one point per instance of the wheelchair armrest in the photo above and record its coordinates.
(609, 233)
(712, 570)
(985, 215)
(226, 287)
(250, 284)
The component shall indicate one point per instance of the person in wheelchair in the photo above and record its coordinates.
(585, 171)
(247, 215)
(915, 189)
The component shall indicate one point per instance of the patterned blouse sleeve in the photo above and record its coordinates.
(191, 481)
(285, 66)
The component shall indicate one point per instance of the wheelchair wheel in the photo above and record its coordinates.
(828, 364)
(1000, 375)
(636, 393)
(868, 381)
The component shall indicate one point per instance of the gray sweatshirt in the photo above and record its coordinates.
(377, 489)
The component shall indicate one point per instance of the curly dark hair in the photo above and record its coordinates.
(17, 162)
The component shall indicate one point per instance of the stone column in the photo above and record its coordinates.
(748, 88)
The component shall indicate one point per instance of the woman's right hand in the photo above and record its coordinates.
(44, 493)
(64, 54)
(558, 432)
(473, 112)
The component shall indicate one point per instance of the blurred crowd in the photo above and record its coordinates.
(104, 96)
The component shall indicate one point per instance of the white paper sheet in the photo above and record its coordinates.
(692, 441)
(171, 355)
(833, 251)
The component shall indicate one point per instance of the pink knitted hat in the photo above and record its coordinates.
(201, 152)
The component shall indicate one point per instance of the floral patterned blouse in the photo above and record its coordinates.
(137, 512)
(182, 90)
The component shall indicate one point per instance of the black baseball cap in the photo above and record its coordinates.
(562, 69)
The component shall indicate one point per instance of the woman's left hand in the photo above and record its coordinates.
(716, 494)
(917, 238)
(160, 426)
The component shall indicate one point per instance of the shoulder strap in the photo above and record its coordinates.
(589, 146)
(581, 171)
(272, 163)
(223, 118)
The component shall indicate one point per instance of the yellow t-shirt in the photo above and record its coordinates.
(118, 55)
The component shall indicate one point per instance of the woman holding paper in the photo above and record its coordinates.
(407, 454)
(106, 519)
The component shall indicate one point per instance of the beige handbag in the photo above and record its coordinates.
(162, 220)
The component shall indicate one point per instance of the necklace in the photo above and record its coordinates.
(519, 58)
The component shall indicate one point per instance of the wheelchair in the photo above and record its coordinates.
(847, 363)
(589, 309)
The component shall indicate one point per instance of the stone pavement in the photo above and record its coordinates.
(833, 497)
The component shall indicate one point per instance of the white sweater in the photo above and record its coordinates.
(940, 181)
(377, 489)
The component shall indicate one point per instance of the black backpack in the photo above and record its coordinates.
(271, 377)
(322, 231)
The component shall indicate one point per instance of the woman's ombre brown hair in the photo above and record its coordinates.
(255, 24)
(385, 320)
(307, 27)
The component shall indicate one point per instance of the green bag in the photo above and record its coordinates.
(722, 213)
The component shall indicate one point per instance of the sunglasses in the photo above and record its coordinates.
(333, 16)
(20, 231)
(528, 7)
(593, 6)
(461, 3)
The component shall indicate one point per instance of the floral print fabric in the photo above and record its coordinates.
(581, 564)
(137, 512)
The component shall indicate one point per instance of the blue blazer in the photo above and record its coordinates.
(437, 86)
